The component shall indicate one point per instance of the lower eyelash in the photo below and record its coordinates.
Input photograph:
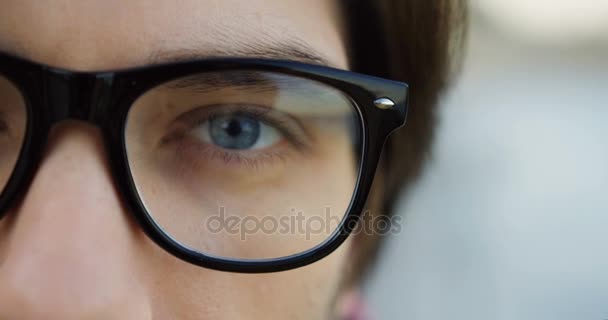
(251, 163)
(197, 153)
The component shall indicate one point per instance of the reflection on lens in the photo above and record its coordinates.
(12, 128)
(245, 164)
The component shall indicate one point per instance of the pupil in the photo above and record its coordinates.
(234, 132)
(233, 128)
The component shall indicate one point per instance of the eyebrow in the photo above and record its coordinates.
(292, 49)
(265, 47)
(213, 81)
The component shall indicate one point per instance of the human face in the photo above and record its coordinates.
(68, 249)
(288, 146)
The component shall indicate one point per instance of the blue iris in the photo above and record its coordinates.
(234, 131)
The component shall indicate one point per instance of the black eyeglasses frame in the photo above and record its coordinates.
(104, 99)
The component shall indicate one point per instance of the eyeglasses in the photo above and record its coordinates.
(236, 164)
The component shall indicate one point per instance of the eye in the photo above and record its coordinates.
(237, 132)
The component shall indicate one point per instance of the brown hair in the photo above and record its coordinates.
(417, 42)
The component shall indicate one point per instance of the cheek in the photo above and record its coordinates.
(195, 293)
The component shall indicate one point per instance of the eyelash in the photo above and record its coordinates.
(235, 158)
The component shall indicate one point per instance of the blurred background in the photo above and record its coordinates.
(510, 220)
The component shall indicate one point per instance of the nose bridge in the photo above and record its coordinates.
(70, 248)
(76, 95)
(72, 199)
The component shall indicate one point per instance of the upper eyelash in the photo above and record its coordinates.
(261, 114)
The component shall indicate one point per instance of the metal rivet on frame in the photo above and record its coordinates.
(384, 103)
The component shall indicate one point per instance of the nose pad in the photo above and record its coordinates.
(69, 248)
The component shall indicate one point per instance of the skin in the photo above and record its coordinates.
(69, 249)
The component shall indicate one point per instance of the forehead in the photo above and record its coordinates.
(108, 34)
